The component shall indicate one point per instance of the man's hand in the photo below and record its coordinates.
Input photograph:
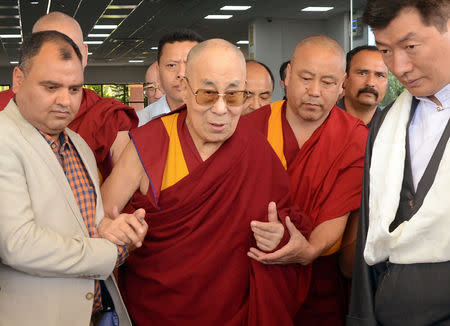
(124, 229)
(268, 234)
(297, 250)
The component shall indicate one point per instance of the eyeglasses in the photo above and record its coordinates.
(209, 97)
(150, 89)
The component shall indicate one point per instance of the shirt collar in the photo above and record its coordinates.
(443, 96)
(63, 140)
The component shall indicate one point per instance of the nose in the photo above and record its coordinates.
(314, 88)
(181, 70)
(63, 98)
(400, 64)
(370, 80)
(220, 106)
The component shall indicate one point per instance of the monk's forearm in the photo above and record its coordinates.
(325, 235)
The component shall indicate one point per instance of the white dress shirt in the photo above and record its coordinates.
(153, 110)
(426, 129)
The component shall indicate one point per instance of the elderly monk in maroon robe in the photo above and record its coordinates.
(102, 122)
(202, 177)
(322, 149)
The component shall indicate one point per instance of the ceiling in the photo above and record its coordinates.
(141, 23)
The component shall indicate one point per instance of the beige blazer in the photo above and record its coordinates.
(48, 263)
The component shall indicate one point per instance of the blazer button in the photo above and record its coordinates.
(89, 295)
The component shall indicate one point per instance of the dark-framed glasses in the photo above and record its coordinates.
(209, 97)
(150, 89)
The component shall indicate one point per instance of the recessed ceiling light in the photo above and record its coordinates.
(105, 26)
(154, 48)
(135, 61)
(93, 42)
(10, 36)
(14, 62)
(317, 8)
(235, 7)
(10, 16)
(98, 35)
(34, 2)
(89, 53)
(218, 16)
(114, 16)
(242, 42)
(121, 7)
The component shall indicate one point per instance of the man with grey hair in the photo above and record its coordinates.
(153, 89)
(322, 148)
(202, 179)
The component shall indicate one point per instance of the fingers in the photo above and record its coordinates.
(272, 212)
(290, 226)
(140, 214)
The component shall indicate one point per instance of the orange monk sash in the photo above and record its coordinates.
(176, 167)
(275, 131)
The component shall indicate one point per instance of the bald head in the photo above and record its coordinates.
(65, 24)
(152, 86)
(213, 48)
(320, 42)
(259, 86)
(314, 79)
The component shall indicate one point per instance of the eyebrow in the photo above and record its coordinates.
(53, 83)
(209, 82)
(408, 36)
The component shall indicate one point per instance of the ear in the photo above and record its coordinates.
(345, 81)
(288, 74)
(18, 79)
(84, 54)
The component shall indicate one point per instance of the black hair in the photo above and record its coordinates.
(356, 50)
(268, 70)
(179, 35)
(379, 13)
(33, 43)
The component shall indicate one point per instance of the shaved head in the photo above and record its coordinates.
(213, 48)
(65, 24)
(322, 42)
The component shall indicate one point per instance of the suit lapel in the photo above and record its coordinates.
(35, 139)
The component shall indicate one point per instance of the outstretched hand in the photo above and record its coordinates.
(124, 229)
(268, 234)
(297, 250)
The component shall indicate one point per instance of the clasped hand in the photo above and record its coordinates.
(124, 229)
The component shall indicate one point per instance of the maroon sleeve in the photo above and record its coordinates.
(5, 97)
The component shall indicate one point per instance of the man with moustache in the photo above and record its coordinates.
(322, 149)
(402, 264)
(152, 85)
(365, 83)
(259, 86)
(102, 122)
(173, 49)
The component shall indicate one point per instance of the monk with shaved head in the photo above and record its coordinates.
(202, 179)
(322, 149)
(102, 122)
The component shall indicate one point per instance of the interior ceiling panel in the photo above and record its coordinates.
(140, 23)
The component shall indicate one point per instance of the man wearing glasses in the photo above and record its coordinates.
(153, 90)
(202, 179)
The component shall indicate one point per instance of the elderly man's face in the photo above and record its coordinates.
(418, 55)
(49, 92)
(211, 73)
(152, 86)
(313, 82)
(367, 79)
(260, 87)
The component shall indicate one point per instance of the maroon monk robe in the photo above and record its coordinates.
(326, 182)
(98, 121)
(193, 267)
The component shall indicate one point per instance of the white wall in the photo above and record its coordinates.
(274, 42)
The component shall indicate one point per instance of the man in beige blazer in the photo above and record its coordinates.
(48, 260)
